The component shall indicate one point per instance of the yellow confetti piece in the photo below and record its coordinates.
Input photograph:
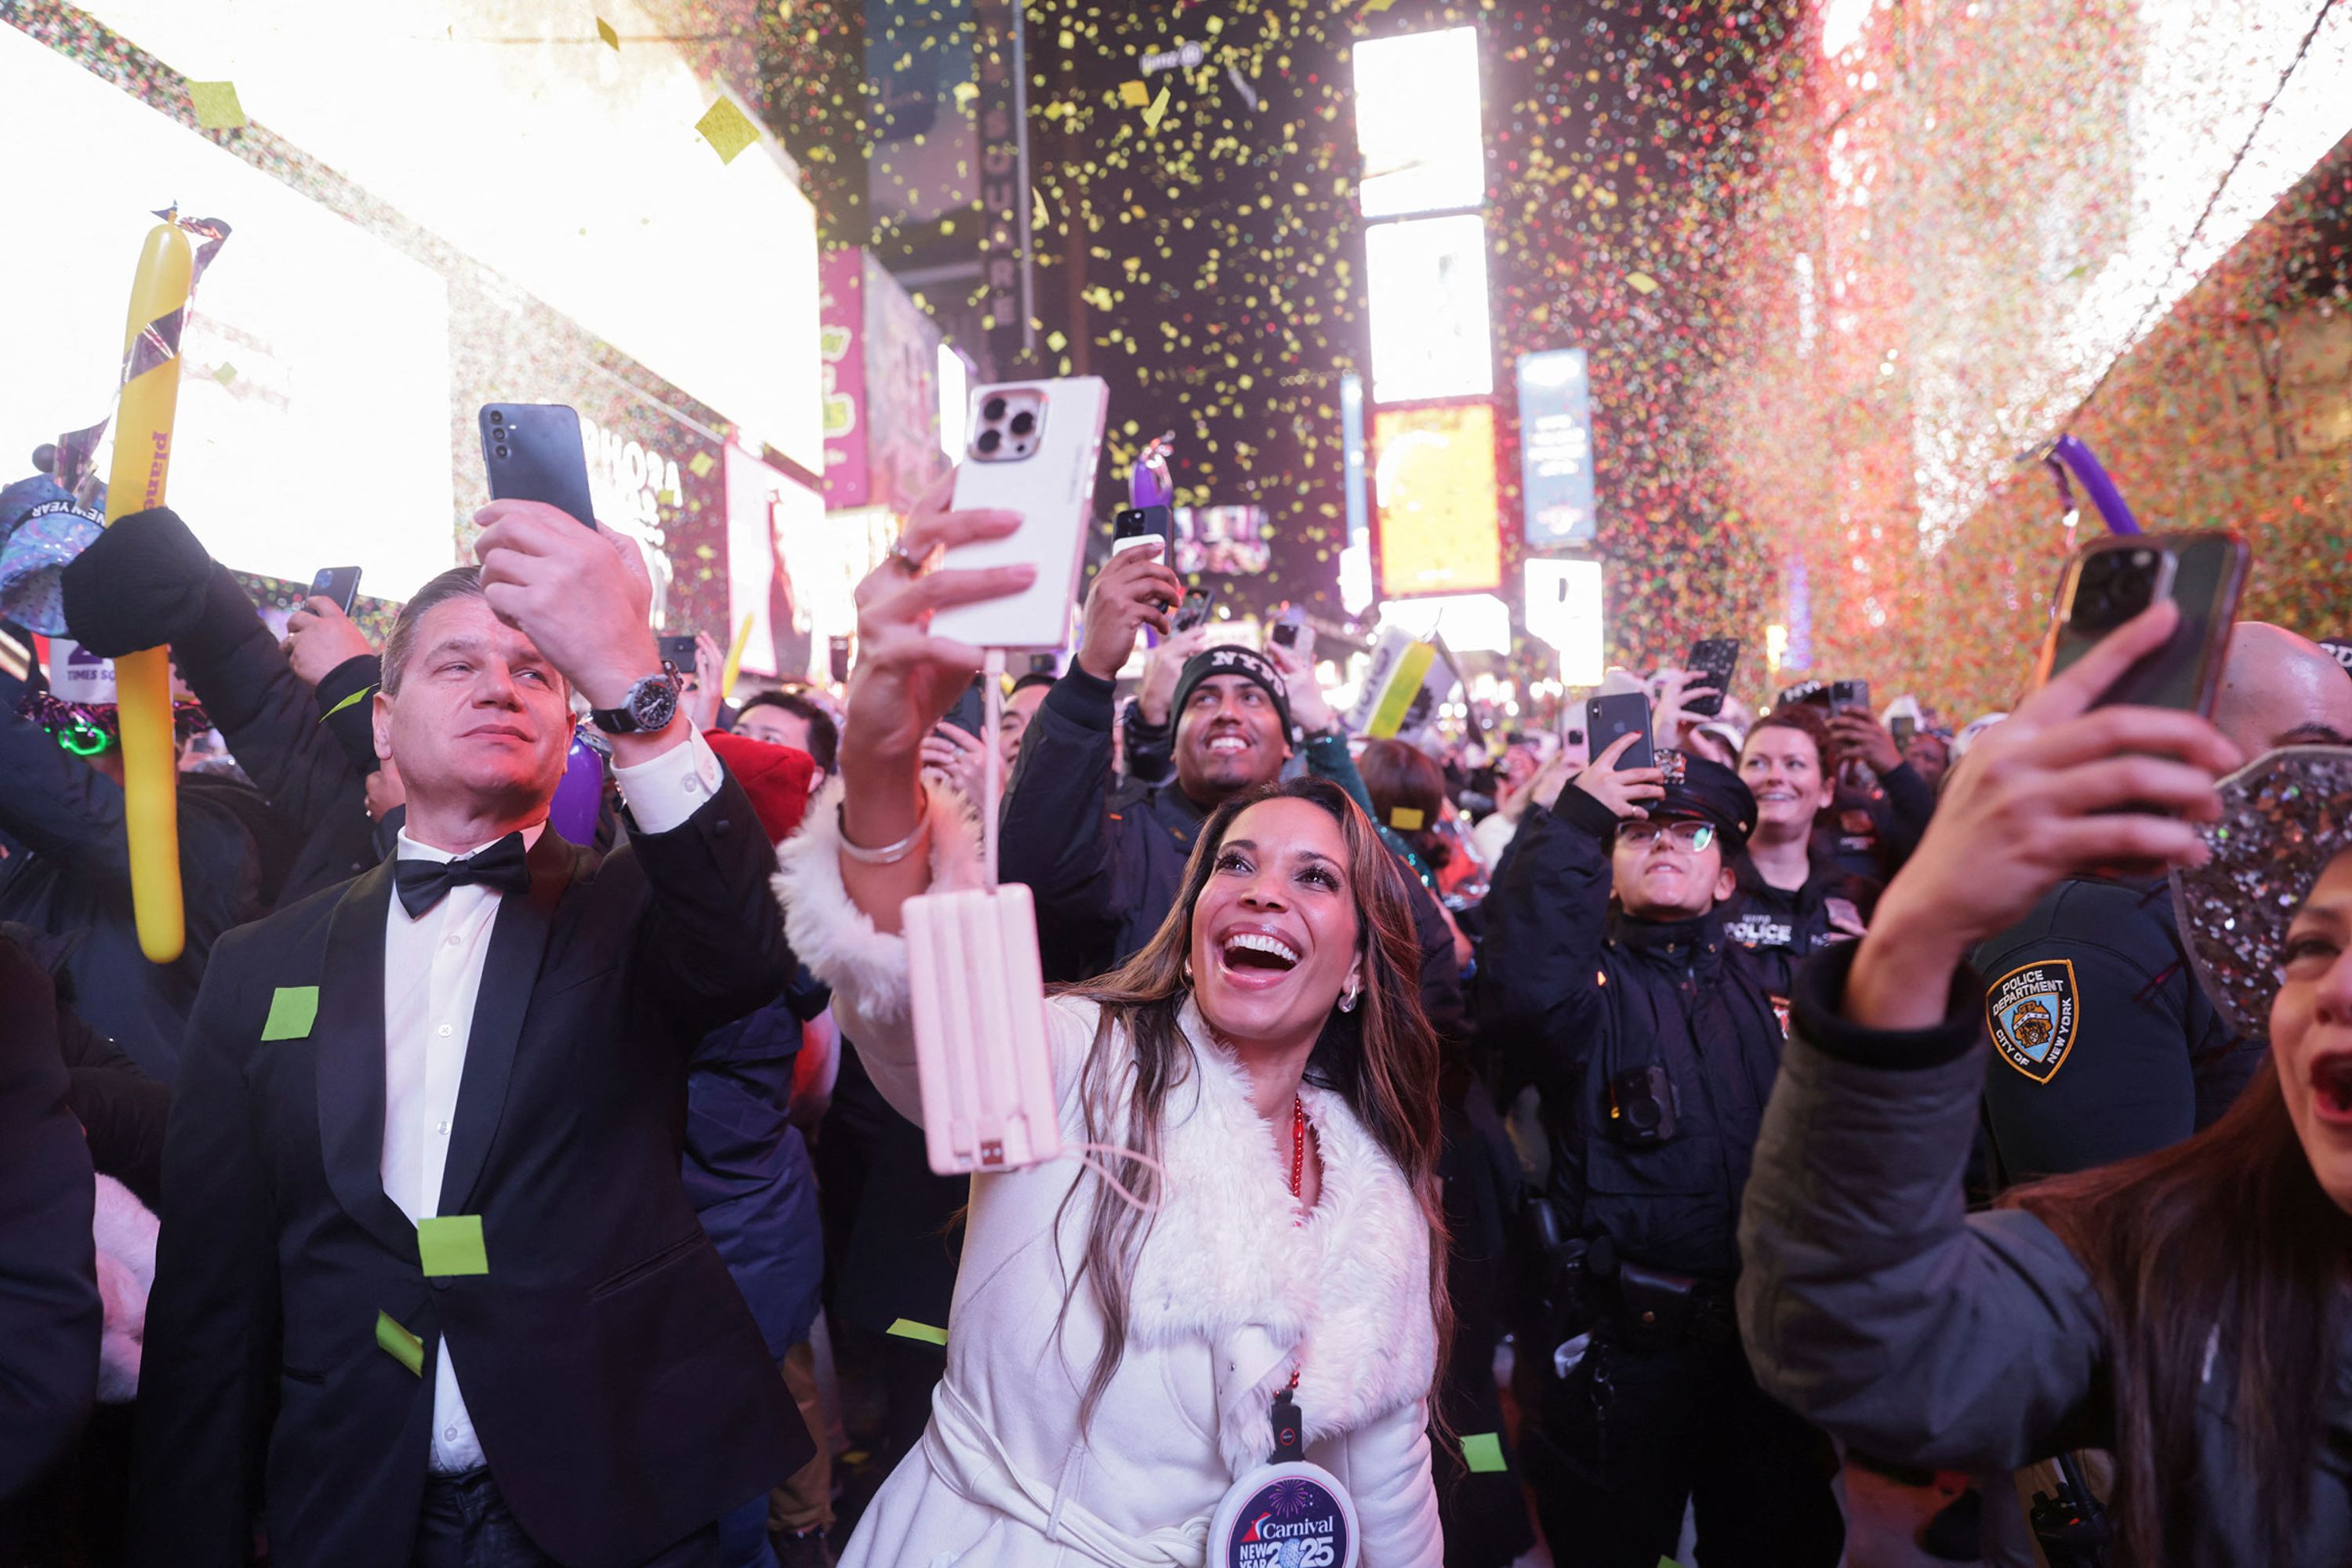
(398, 1343)
(908, 1328)
(604, 31)
(1406, 819)
(1057, 342)
(225, 374)
(1641, 282)
(727, 129)
(1134, 94)
(965, 91)
(1155, 110)
(702, 464)
(216, 106)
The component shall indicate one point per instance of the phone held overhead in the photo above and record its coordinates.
(2110, 579)
(1608, 717)
(1030, 448)
(339, 583)
(533, 452)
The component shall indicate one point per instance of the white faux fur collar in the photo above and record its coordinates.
(1344, 1296)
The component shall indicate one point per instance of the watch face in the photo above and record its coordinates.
(653, 701)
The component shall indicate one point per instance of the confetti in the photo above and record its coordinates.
(226, 375)
(1152, 112)
(1134, 94)
(702, 464)
(216, 106)
(604, 31)
(727, 130)
(1641, 282)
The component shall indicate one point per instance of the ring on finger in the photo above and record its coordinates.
(912, 565)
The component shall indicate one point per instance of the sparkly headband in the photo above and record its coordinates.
(87, 728)
(2285, 815)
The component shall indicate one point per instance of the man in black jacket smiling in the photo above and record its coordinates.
(1652, 1042)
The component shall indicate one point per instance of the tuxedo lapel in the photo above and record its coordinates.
(509, 975)
(349, 1035)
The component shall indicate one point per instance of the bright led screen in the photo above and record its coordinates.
(1417, 122)
(1434, 477)
(1427, 282)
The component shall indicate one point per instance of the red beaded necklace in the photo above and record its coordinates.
(1297, 1182)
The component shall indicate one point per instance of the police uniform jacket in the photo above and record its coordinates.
(2104, 1043)
(1877, 1307)
(1575, 993)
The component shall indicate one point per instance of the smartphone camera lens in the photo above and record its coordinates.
(993, 410)
(990, 441)
(1023, 423)
(497, 417)
(501, 450)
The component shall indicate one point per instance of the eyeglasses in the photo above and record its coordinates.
(1691, 835)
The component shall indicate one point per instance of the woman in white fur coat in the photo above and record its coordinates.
(1110, 1371)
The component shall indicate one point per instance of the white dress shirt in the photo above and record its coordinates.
(432, 972)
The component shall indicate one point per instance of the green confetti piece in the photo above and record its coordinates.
(727, 129)
(216, 106)
(292, 1010)
(451, 1244)
(399, 1343)
(908, 1328)
(1483, 1452)
(356, 696)
(225, 374)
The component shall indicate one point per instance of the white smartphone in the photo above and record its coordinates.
(1030, 447)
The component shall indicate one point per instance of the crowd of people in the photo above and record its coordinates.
(513, 1169)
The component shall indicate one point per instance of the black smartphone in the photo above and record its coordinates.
(1607, 717)
(1713, 659)
(837, 658)
(677, 653)
(2110, 579)
(533, 452)
(1134, 524)
(1901, 727)
(971, 710)
(1849, 694)
(1194, 611)
(341, 583)
(1287, 625)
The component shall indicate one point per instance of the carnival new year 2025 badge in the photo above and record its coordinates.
(2031, 1013)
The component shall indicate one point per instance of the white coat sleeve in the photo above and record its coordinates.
(1387, 1471)
(868, 969)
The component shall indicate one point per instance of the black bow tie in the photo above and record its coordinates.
(503, 867)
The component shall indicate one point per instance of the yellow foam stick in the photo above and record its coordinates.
(142, 681)
(735, 658)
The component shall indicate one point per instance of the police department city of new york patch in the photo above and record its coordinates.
(2031, 1015)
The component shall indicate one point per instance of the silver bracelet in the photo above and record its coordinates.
(891, 854)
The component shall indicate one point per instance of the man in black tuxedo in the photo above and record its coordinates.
(424, 1250)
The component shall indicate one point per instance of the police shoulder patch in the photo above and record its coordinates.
(2030, 1013)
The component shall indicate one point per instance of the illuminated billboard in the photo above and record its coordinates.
(1426, 279)
(1556, 448)
(1434, 484)
(1563, 608)
(314, 422)
(1417, 123)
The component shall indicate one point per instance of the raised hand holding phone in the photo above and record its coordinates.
(1623, 790)
(1132, 591)
(2062, 786)
(321, 635)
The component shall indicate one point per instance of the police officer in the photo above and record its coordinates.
(2105, 1044)
(1652, 1042)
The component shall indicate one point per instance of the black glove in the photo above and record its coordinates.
(142, 584)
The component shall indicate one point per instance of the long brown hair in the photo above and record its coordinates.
(1382, 1059)
(2229, 1235)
